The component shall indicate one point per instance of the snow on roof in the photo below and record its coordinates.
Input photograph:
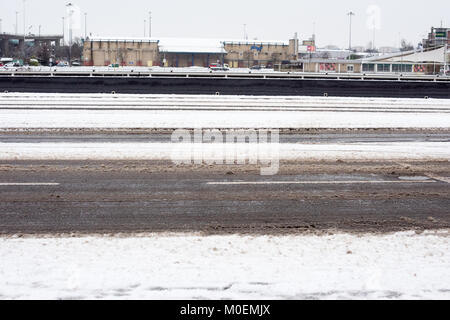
(437, 56)
(190, 45)
(121, 39)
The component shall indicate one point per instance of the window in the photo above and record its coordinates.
(368, 68)
(383, 67)
(350, 68)
(401, 68)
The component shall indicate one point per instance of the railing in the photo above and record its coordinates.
(222, 75)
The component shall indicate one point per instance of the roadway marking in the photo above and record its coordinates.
(314, 182)
(439, 178)
(32, 184)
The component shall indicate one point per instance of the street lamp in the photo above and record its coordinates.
(350, 15)
(24, 29)
(150, 24)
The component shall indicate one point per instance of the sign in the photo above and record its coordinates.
(441, 35)
(257, 48)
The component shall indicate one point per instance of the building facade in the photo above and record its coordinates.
(437, 37)
(172, 52)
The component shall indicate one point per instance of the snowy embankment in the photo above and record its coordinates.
(342, 266)
(178, 111)
(166, 151)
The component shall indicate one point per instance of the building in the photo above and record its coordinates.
(437, 37)
(174, 52)
(13, 45)
(429, 61)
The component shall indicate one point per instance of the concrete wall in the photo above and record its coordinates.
(246, 54)
(103, 53)
(249, 54)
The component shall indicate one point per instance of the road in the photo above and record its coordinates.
(41, 197)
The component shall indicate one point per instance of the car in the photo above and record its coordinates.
(1, 64)
(258, 67)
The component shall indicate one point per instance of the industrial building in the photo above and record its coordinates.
(174, 52)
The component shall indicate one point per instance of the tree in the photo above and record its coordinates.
(43, 53)
(406, 46)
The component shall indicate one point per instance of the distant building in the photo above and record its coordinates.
(437, 37)
(174, 52)
(13, 45)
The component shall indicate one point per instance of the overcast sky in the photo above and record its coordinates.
(270, 20)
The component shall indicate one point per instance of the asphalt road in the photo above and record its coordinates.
(126, 197)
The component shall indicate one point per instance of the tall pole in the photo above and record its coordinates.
(85, 26)
(1, 25)
(350, 15)
(24, 28)
(64, 30)
(40, 31)
(150, 24)
(245, 31)
(145, 28)
(17, 25)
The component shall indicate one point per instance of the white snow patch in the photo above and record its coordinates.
(342, 266)
(167, 151)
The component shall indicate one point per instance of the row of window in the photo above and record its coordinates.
(387, 68)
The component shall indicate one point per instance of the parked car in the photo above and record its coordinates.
(258, 67)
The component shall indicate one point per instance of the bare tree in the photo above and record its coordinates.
(406, 46)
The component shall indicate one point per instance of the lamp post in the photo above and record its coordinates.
(85, 26)
(145, 28)
(24, 29)
(150, 24)
(64, 30)
(70, 12)
(350, 15)
(16, 27)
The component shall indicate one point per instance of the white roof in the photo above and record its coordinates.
(437, 56)
(190, 45)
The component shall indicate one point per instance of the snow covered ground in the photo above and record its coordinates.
(342, 266)
(166, 151)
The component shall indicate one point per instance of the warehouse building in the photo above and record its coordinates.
(173, 52)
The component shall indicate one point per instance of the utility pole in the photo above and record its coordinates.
(85, 26)
(150, 24)
(145, 28)
(64, 30)
(24, 29)
(70, 11)
(350, 15)
(17, 23)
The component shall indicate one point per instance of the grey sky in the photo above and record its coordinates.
(271, 20)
